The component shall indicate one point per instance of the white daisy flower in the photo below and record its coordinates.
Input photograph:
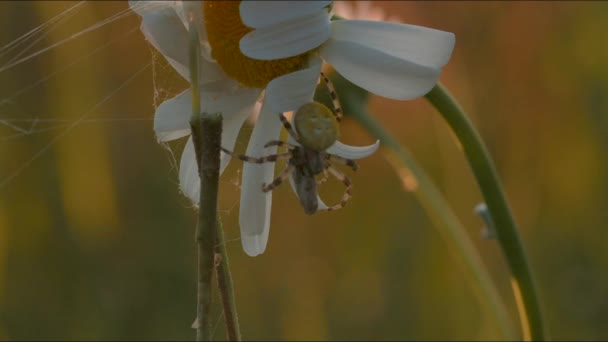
(278, 46)
(231, 83)
(397, 61)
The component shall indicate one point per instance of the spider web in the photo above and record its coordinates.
(21, 53)
(33, 46)
(22, 123)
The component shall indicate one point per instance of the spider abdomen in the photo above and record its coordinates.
(306, 189)
(316, 126)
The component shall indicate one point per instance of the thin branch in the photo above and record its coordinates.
(226, 287)
(206, 135)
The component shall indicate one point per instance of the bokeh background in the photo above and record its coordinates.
(96, 242)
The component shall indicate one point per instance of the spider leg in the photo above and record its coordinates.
(260, 160)
(280, 143)
(348, 162)
(279, 179)
(288, 127)
(344, 179)
(334, 96)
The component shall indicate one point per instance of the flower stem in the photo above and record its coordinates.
(506, 229)
(224, 281)
(206, 135)
(416, 180)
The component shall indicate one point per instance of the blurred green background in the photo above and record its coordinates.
(96, 242)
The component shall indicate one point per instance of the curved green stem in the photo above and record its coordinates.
(506, 229)
(416, 180)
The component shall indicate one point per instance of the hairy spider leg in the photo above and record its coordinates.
(279, 179)
(260, 160)
(325, 176)
(280, 143)
(348, 162)
(344, 179)
(334, 96)
(289, 128)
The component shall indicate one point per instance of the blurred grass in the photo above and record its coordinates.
(97, 243)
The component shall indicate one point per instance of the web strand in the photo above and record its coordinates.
(45, 148)
(30, 34)
(119, 15)
(73, 63)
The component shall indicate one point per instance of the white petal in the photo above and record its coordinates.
(210, 75)
(209, 71)
(143, 7)
(422, 45)
(231, 128)
(194, 9)
(353, 152)
(287, 39)
(189, 181)
(188, 172)
(255, 245)
(254, 215)
(379, 72)
(172, 117)
(164, 29)
(258, 14)
(190, 9)
(229, 104)
(290, 91)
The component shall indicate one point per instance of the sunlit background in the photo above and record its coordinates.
(96, 241)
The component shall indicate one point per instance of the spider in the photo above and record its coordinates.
(316, 129)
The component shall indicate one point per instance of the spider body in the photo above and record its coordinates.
(316, 126)
(307, 163)
(316, 129)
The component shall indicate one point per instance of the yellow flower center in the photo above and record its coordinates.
(224, 31)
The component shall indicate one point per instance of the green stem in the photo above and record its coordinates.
(506, 229)
(226, 286)
(439, 212)
(206, 136)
